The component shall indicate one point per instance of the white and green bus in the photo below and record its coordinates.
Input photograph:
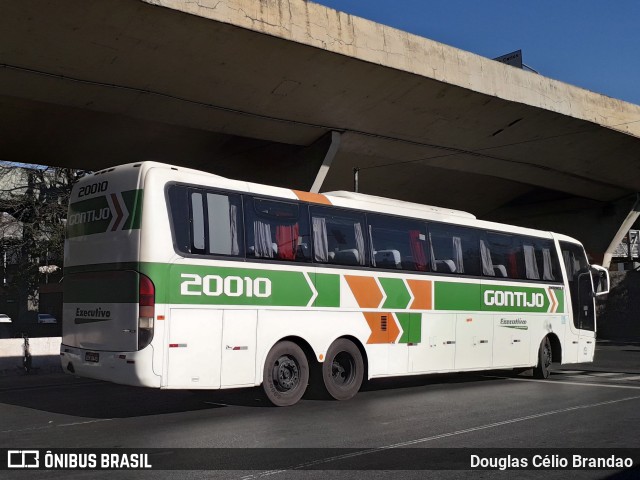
(180, 279)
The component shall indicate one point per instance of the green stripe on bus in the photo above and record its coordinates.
(396, 292)
(457, 296)
(133, 201)
(202, 285)
(115, 286)
(328, 287)
(411, 324)
(88, 217)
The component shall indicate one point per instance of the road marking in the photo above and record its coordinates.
(215, 404)
(377, 450)
(581, 384)
(44, 427)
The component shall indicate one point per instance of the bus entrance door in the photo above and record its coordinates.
(586, 318)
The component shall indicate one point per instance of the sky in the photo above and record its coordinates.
(593, 44)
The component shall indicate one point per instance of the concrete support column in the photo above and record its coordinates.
(326, 163)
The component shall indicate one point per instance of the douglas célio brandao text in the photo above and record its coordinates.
(549, 461)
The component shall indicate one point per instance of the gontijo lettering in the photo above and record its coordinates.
(500, 298)
(90, 216)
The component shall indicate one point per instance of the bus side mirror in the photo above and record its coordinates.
(600, 280)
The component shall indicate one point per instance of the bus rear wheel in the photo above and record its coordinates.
(286, 374)
(343, 369)
(545, 357)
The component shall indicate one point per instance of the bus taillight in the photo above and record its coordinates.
(146, 311)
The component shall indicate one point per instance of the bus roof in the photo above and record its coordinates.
(391, 202)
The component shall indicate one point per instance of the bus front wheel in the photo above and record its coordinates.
(544, 359)
(343, 369)
(286, 374)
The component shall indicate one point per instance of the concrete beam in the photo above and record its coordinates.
(312, 24)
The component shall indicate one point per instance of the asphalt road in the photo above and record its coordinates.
(582, 406)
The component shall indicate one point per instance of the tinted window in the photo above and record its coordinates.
(197, 221)
(277, 230)
(454, 249)
(338, 237)
(224, 220)
(502, 256)
(580, 286)
(540, 259)
(206, 222)
(180, 223)
(398, 243)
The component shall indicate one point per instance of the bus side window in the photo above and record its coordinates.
(507, 257)
(548, 264)
(180, 223)
(204, 222)
(338, 237)
(224, 221)
(397, 243)
(580, 286)
(277, 230)
(197, 223)
(454, 249)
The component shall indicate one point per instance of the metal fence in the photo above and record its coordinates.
(629, 243)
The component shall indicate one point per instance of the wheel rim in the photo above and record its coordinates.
(343, 369)
(286, 373)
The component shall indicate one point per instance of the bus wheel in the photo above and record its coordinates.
(286, 374)
(544, 359)
(343, 369)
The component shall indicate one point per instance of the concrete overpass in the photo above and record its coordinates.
(259, 89)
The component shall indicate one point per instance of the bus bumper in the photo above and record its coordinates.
(126, 368)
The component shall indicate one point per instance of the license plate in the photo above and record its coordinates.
(92, 357)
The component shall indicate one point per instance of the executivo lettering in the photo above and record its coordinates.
(91, 315)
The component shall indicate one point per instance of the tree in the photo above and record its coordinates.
(34, 202)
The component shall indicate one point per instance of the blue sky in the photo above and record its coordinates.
(594, 44)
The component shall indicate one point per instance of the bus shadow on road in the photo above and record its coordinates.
(435, 380)
(97, 399)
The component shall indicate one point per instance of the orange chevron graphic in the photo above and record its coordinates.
(366, 291)
(384, 328)
(312, 197)
(421, 290)
(554, 301)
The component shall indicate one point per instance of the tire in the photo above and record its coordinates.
(545, 357)
(343, 370)
(286, 374)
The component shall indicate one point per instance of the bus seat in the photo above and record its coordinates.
(445, 266)
(500, 270)
(347, 257)
(388, 259)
